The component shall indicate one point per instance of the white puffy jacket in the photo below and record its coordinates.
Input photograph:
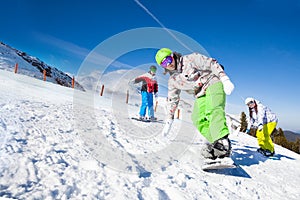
(263, 116)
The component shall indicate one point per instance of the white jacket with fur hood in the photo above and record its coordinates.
(263, 115)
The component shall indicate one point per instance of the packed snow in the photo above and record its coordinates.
(61, 143)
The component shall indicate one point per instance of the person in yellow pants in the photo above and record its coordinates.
(265, 121)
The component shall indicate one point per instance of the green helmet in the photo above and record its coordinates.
(153, 68)
(162, 54)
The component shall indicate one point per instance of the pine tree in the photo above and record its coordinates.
(253, 132)
(244, 123)
(280, 138)
(297, 146)
(274, 134)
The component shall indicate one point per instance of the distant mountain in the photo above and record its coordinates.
(291, 136)
(32, 66)
(114, 81)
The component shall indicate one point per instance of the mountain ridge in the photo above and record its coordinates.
(33, 66)
(291, 135)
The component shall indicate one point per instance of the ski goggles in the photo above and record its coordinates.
(250, 102)
(166, 62)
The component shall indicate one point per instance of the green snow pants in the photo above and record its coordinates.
(209, 113)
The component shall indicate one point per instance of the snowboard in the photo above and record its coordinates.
(146, 120)
(272, 157)
(224, 163)
(141, 120)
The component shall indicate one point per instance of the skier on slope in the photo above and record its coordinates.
(205, 78)
(265, 121)
(148, 89)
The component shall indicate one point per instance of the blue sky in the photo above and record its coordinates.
(256, 40)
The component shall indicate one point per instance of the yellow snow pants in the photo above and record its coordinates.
(264, 136)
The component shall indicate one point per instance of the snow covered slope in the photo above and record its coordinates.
(32, 66)
(60, 143)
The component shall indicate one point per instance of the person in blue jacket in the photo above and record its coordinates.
(148, 89)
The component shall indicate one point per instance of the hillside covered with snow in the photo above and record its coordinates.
(61, 143)
(32, 66)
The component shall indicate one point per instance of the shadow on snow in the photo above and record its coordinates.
(238, 171)
(250, 156)
(247, 156)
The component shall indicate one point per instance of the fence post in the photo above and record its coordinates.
(73, 82)
(44, 74)
(127, 96)
(16, 68)
(102, 89)
(156, 102)
(178, 113)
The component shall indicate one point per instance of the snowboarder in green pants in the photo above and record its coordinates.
(205, 78)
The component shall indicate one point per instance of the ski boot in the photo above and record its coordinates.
(265, 152)
(143, 118)
(152, 119)
(219, 149)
